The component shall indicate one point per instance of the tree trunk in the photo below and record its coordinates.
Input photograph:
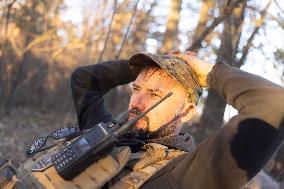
(170, 40)
(204, 17)
(214, 107)
(213, 113)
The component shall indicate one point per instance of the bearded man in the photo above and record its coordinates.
(154, 153)
(228, 158)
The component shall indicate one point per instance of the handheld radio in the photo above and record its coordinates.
(82, 152)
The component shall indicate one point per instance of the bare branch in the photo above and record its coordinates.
(16, 49)
(248, 45)
(204, 17)
(279, 6)
(9, 7)
(236, 39)
(278, 20)
(139, 25)
(109, 30)
(127, 30)
(44, 37)
(227, 11)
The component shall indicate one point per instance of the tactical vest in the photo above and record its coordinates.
(120, 169)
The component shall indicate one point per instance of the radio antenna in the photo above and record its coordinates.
(134, 120)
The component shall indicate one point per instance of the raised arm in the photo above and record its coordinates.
(235, 153)
(90, 83)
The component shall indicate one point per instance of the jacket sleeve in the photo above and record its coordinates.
(90, 83)
(233, 155)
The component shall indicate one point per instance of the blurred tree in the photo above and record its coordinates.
(213, 111)
(205, 14)
(140, 29)
(109, 31)
(34, 22)
(214, 108)
(279, 56)
(225, 11)
(170, 37)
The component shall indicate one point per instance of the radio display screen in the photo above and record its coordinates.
(82, 145)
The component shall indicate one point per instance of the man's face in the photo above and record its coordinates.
(166, 119)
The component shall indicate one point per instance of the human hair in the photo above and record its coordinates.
(193, 94)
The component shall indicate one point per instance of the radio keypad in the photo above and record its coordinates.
(63, 158)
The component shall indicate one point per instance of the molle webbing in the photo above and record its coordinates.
(95, 176)
(119, 169)
(139, 171)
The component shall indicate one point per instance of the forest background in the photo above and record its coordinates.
(43, 41)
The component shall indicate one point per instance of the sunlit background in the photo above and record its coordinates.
(42, 42)
(260, 60)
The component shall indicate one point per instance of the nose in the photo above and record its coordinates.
(137, 101)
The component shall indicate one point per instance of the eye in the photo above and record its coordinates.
(135, 88)
(154, 95)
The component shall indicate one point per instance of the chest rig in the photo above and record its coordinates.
(120, 169)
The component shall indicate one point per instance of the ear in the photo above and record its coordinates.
(188, 112)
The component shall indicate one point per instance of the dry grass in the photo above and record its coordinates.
(21, 127)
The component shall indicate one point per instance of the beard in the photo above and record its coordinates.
(167, 129)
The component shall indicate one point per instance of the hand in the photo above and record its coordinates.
(200, 67)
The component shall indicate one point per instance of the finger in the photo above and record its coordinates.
(176, 51)
(190, 53)
(184, 57)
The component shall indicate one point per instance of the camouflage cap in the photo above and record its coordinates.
(175, 67)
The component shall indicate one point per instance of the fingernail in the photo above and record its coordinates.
(176, 51)
(191, 53)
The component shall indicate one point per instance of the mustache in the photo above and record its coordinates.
(137, 111)
(138, 133)
(166, 129)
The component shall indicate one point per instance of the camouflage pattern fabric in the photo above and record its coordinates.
(175, 67)
(142, 166)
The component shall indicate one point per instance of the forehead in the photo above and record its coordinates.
(157, 78)
(152, 72)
